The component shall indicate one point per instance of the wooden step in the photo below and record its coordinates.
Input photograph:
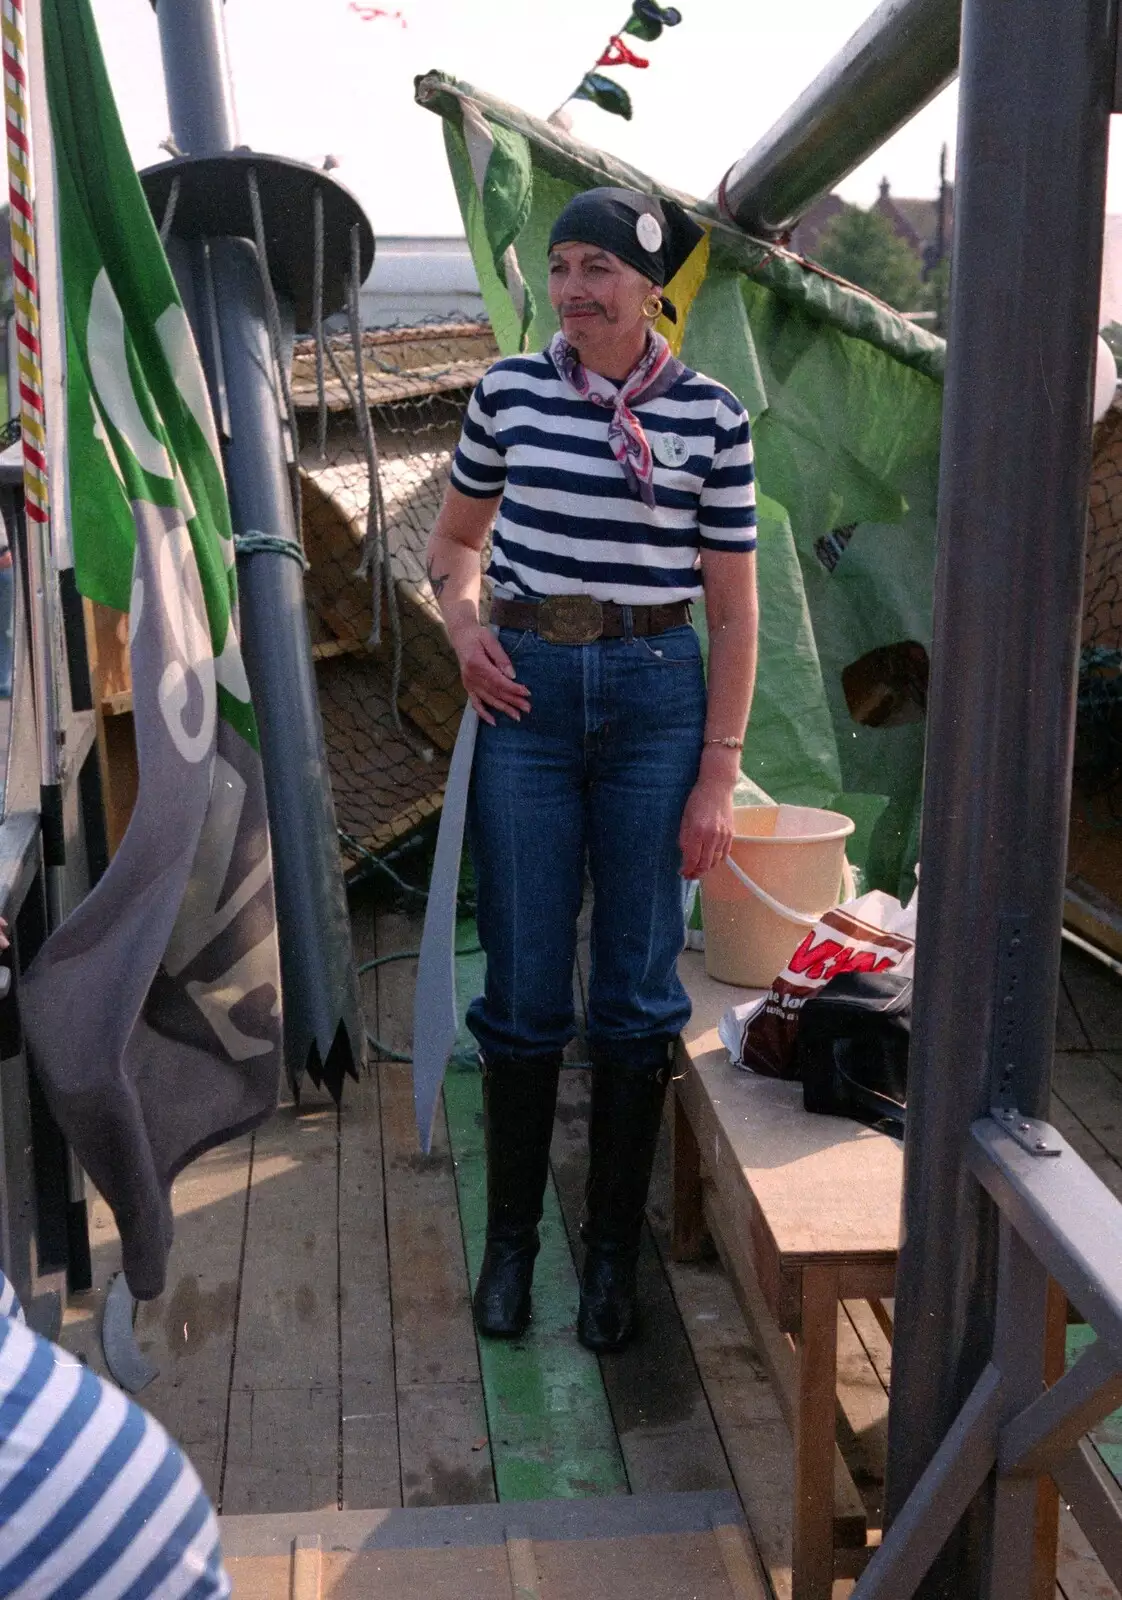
(634, 1547)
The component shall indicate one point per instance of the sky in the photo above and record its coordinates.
(312, 77)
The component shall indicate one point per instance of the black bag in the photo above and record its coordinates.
(853, 1047)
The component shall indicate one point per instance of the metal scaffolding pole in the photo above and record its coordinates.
(204, 120)
(222, 280)
(894, 64)
(1035, 97)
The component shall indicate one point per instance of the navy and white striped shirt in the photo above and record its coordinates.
(96, 1501)
(568, 522)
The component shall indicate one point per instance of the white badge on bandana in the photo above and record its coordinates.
(648, 233)
(669, 448)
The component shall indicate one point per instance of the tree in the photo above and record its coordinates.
(861, 246)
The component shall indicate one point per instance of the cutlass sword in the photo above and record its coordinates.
(435, 1023)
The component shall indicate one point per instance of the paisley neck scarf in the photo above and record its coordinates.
(657, 369)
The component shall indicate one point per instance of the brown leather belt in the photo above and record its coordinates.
(579, 619)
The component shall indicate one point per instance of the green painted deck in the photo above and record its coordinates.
(315, 1343)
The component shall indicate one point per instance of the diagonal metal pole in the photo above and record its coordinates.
(1035, 96)
(897, 61)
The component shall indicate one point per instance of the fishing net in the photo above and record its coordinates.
(389, 686)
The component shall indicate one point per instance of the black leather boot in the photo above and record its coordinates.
(628, 1090)
(519, 1100)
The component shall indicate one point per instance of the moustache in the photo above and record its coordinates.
(583, 305)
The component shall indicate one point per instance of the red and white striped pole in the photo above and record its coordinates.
(32, 409)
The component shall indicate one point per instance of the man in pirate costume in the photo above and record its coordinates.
(618, 488)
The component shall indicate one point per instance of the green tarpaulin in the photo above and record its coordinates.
(845, 398)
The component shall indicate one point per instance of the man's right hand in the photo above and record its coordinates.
(488, 674)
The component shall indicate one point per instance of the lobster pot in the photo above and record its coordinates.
(791, 862)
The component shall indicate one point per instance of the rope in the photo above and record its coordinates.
(317, 324)
(374, 542)
(386, 1052)
(255, 543)
(376, 545)
(169, 209)
(272, 317)
(465, 906)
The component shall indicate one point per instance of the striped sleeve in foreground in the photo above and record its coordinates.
(9, 1300)
(96, 1501)
(726, 513)
(479, 465)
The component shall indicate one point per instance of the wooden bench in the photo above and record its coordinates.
(805, 1211)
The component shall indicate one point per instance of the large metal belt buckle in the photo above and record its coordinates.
(570, 619)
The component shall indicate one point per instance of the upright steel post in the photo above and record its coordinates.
(894, 64)
(1035, 98)
(322, 1023)
(197, 76)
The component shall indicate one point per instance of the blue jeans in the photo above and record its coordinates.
(598, 771)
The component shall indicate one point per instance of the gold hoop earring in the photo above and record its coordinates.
(652, 307)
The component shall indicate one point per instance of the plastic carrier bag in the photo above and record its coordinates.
(873, 933)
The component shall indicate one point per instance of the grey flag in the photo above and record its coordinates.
(153, 1013)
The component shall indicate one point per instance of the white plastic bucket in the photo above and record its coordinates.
(785, 869)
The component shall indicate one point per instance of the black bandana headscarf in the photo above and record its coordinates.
(653, 236)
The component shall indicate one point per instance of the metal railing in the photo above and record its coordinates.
(1057, 1220)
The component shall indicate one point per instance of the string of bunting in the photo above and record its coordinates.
(646, 22)
(377, 13)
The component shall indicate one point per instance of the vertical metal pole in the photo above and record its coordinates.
(1035, 99)
(317, 969)
(322, 1016)
(197, 76)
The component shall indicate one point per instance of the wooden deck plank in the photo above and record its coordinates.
(1086, 1084)
(551, 1428)
(1096, 996)
(1082, 1139)
(662, 1418)
(692, 1453)
(439, 1390)
(863, 1415)
(282, 1449)
(745, 1409)
(434, 1340)
(1080, 1571)
(445, 1452)
(283, 1437)
(872, 1337)
(1070, 1031)
(188, 1332)
(370, 1464)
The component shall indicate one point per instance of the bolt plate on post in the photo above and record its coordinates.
(1038, 1138)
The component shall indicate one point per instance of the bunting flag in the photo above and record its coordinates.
(153, 1013)
(377, 14)
(646, 22)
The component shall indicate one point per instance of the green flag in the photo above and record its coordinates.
(153, 1013)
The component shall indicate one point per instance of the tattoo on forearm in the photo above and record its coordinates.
(437, 582)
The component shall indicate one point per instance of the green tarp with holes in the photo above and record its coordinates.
(845, 399)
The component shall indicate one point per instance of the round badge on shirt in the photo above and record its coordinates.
(669, 448)
(648, 232)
